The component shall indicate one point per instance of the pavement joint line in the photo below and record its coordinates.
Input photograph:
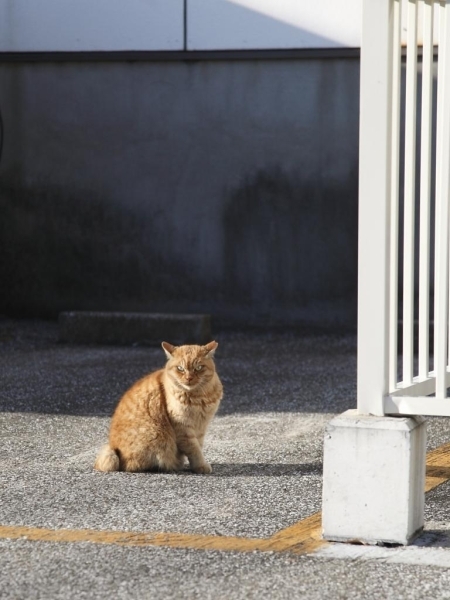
(303, 537)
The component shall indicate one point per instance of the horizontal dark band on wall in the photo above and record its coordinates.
(146, 56)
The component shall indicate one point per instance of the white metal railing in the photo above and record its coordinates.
(404, 194)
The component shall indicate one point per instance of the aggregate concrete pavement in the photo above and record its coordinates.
(265, 446)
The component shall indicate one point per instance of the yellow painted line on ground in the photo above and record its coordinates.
(300, 543)
(129, 538)
(303, 537)
(438, 467)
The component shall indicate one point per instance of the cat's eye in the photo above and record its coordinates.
(180, 368)
(199, 367)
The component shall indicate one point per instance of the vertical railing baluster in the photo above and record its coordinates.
(395, 177)
(409, 196)
(425, 189)
(442, 202)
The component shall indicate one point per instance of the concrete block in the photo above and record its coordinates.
(374, 479)
(133, 328)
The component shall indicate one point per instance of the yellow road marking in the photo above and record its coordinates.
(303, 537)
(300, 544)
(129, 538)
(438, 467)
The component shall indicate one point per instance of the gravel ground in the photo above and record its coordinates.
(265, 446)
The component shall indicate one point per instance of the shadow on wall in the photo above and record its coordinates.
(290, 256)
(289, 245)
(61, 251)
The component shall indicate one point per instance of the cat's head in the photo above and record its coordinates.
(190, 366)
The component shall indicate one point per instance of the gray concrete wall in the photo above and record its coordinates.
(227, 187)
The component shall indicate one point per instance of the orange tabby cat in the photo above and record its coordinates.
(163, 417)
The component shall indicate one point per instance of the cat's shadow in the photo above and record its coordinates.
(264, 469)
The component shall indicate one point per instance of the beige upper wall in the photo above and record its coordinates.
(114, 25)
(78, 25)
(91, 25)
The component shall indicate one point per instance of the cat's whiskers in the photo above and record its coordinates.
(184, 386)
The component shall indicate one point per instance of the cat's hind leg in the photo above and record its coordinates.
(170, 458)
(163, 459)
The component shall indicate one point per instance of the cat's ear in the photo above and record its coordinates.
(210, 349)
(168, 349)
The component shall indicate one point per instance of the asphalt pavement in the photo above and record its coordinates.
(265, 446)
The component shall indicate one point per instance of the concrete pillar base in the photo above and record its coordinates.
(374, 479)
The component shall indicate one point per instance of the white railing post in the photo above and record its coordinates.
(374, 205)
(374, 465)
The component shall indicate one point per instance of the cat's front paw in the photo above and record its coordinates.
(203, 469)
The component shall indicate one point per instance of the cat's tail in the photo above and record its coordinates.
(107, 459)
